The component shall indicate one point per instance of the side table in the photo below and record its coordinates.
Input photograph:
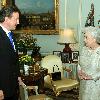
(36, 79)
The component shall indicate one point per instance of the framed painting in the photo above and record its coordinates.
(37, 16)
(75, 56)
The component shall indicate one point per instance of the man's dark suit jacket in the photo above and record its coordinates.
(9, 69)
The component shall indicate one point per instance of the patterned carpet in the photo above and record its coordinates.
(66, 95)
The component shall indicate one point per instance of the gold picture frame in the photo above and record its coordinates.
(50, 20)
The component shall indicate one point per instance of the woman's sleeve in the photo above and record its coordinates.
(80, 58)
(96, 76)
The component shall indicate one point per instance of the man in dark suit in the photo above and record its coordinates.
(9, 68)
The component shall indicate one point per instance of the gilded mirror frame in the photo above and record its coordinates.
(38, 31)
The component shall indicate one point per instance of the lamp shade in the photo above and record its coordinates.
(67, 36)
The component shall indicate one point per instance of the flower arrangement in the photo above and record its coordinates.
(26, 62)
(26, 59)
(26, 42)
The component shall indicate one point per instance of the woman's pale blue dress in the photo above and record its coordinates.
(90, 64)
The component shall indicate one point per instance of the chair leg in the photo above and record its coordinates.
(36, 89)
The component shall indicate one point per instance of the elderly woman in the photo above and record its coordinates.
(89, 65)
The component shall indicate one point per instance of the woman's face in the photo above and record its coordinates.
(89, 40)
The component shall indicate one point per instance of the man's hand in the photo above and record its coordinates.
(1, 95)
(20, 81)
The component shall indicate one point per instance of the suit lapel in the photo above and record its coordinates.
(4, 36)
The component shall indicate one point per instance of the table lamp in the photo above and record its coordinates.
(66, 37)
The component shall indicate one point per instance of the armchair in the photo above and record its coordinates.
(54, 64)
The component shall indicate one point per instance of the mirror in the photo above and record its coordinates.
(37, 16)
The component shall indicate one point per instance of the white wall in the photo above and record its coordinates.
(48, 43)
(86, 7)
(68, 14)
(97, 11)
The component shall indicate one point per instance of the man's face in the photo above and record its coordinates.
(13, 21)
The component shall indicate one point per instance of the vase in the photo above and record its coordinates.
(26, 69)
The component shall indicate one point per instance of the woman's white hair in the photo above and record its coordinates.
(94, 31)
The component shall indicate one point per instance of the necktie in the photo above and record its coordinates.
(11, 40)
